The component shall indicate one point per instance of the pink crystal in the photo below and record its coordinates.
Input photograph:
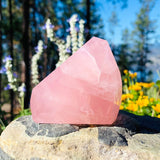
(85, 89)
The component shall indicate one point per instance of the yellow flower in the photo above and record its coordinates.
(125, 71)
(126, 96)
(158, 116)
(145, 97)
(139, 83)
(130, 87)
(142, 102)
(132, 107)
(121, 107)
(146, 85)
(123, 98)
(151, 99)
(135, 87)
(129, 96)
(141, 93)
(156, 108)
(125, 80)
(133, 75)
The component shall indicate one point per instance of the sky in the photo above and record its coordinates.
(126, 19)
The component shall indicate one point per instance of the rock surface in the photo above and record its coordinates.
(131, 137)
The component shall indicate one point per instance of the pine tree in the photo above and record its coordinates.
(141, 35)
(123, 55)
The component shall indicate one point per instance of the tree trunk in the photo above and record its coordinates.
(0, 47)
(35, 21)
(88, 17)
(26, 46)
(45, 62)
(45, 55)
(11, 53)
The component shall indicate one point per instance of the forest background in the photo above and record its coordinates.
(135, 44)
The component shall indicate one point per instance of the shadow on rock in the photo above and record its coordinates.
(138, 124)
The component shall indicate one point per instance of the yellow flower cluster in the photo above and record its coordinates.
(138, 86)
(135, 87)
(133, 75)
(132, 107)
(142, 101)
(137, 96)
(145, 85)
(126, 96)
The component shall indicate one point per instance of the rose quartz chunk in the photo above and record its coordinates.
(85, 89)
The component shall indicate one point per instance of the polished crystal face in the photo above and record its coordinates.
(85, 89)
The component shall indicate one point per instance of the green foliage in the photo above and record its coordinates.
(158, 83)
(2, 126)
(24, 112)
(3, 121)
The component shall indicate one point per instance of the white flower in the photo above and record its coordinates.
(10, 77)
(73, 32)
(68, 42)
(81, 33)
(34, 65)
(73, 41)
(49, 30)
(22, 90)
(62, 54)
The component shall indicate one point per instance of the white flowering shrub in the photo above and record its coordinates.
(81, 33)
(34, 62)
(73, 41)
(12, 80)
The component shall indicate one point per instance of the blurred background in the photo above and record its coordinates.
(132, 28)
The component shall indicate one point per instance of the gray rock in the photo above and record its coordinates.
(4, 156)
(131, 137)
(49, 130)
(113, 136)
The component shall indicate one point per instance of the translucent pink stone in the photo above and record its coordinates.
(85, 89)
